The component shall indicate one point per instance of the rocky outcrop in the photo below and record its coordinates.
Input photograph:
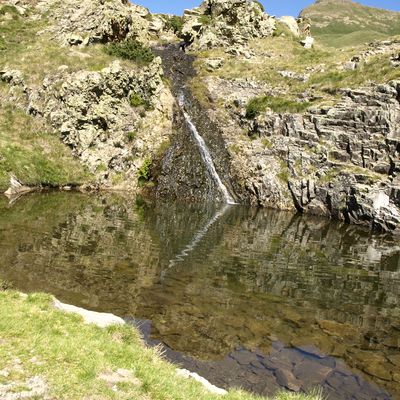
(340, 161)
(92, 111)
(226, 23)
(95, 21)
(94, 115)
(116, 119)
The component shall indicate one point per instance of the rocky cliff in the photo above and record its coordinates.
(313, 130)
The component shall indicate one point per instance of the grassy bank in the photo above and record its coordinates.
(55, 355)
(33, 155)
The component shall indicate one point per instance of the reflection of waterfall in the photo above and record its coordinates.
(205, 153)
(197, 237)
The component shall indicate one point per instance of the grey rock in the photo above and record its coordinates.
(226, 23)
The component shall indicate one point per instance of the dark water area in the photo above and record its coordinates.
(246, 297)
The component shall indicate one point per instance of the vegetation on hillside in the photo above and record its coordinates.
(321, 68)
(32, 155)
(348, 23)
(76, 361)
(131, 50)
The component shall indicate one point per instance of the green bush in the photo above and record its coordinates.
(136, 101)
(144, 172)
(131, 136)
(174, 23)
(258, 105)
(132, 50)
(205, 19)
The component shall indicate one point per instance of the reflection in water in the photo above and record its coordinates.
(197, 238)
(248, 297)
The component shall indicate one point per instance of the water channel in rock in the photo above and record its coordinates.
(246, 297)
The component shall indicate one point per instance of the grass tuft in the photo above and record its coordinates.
(258, 105)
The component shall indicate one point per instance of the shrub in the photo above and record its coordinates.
(144, 172)
(136, 100)
(175, 24)
(131, 136)
(132, 50)
(258, 105)
(205, 19)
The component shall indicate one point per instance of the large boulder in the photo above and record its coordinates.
(226, 23)
(291, 24)
(95, 21)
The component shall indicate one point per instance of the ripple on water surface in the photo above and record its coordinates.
(246, 297)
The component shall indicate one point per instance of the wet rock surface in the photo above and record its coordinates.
(183, 172)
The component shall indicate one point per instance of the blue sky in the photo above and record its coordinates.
(273, 7)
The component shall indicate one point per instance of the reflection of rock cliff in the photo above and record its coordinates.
(256, 276)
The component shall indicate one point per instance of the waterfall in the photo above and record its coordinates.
(205, 153)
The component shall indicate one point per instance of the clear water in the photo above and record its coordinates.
(246, 297)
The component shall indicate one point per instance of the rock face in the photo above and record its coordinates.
(94, 116)
(340, 161)
(96, 21)
(226, 23)
(114, 119)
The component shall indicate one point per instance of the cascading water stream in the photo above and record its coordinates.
(205, 153)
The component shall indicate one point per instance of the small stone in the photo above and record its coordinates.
(308, 42)
(286, 379)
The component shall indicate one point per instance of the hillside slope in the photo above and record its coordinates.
(339, 23)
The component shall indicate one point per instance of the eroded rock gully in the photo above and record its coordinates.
(183, 172)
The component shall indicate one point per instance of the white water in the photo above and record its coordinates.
(205, 153)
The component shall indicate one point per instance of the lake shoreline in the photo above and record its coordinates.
(49, 350)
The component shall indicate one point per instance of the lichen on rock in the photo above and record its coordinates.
(226, 23)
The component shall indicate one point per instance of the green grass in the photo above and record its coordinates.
(33, 155)
(321, 64)
(258, 105)
(339, 24)
(70, 356)
(39, 55)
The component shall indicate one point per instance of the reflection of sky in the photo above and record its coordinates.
(275, 7)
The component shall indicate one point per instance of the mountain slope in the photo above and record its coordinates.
(341, 23)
